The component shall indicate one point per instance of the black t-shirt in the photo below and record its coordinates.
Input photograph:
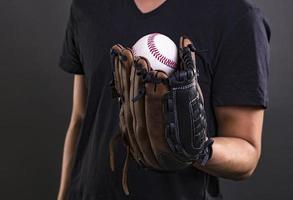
(236, 37)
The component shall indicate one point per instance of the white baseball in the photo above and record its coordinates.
(160, 51)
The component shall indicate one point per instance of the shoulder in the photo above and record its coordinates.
(227, 14)
(220, 13)
(232, 6)
(224, 5)
(232, 10)
(237, 5)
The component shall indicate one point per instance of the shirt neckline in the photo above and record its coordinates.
(139, 13)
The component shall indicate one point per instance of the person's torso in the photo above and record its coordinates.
(100, 25)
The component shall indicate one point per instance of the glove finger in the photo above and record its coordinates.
(126, 59)
(138, 111)
(186, 43)
(116, 51)
(123, 62)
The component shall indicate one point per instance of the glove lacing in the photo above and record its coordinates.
(147, 77)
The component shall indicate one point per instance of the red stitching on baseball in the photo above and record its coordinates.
(155, 52)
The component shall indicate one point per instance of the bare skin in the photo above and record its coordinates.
(237, 149)
(146, 6)
(77, 116)
(235, 152)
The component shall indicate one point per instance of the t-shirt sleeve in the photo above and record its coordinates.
(241, 73)
(69, 59)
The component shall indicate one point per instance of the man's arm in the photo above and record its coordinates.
(77, 116)
(237, 149)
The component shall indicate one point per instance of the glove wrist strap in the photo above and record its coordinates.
(207, 152)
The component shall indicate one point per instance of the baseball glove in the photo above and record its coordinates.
(162, 118)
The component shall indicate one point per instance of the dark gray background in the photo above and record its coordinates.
(36, 100)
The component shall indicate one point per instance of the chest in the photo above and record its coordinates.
(99, 31)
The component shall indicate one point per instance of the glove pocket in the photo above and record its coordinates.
(155, 124)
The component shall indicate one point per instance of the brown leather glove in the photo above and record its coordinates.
(162, 119)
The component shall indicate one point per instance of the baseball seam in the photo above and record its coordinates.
(157, 54)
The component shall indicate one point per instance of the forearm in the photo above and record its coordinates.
(68, 157)
(233, 158)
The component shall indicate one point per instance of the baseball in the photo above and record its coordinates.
(160, 51)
